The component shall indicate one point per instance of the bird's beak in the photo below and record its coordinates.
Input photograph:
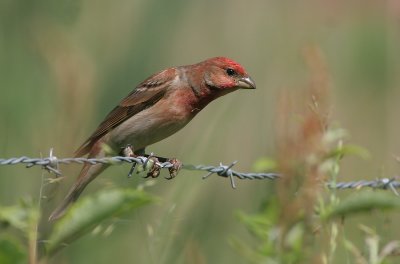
(246, 83)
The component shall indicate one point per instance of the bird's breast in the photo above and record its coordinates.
(153, 124)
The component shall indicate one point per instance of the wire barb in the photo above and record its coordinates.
(384, 184)
(52, 163)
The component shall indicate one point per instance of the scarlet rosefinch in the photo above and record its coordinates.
(156, 109)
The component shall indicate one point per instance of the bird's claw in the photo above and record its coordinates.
(176, 167)
(152, 164)
(155, 169)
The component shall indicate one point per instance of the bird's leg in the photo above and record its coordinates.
(173, 171)
(128, 152)
(176, 167)
(156, 168)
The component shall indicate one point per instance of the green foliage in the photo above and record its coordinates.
(372, 244)
(362, 202)
(11, 252)
(21, 216)
(295, 241)
(91, 211)
(25, 218)
(64, 64)
(268, 233)
(82, 217)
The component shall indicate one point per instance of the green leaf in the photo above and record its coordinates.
(350, 150)
(84, 215)
(16, 216)
(19, 216)
(363, 202)
(11, 252)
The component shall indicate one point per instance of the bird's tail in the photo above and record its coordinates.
(87, 174)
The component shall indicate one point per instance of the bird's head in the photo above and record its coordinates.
(226, 75)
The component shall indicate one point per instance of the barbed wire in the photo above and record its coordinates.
(52, 163)
(384, 184)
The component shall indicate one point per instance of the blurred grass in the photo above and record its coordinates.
(64, 66)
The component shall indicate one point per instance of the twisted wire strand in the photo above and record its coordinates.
(384, 184)
(51, 163)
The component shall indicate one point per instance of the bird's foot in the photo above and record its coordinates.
(176, 167)
(155, 168)
(152, 163)
(128, 152)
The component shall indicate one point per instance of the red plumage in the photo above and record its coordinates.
(158, 107)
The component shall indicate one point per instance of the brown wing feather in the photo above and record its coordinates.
(145, 95)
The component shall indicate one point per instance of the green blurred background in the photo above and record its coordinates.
(65, 64)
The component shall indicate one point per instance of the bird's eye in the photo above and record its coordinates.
(230, 72)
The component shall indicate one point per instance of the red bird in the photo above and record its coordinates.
(158, 107)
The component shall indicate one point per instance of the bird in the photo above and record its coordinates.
(157, 108)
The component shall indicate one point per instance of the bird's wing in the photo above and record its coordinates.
(146, 94)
